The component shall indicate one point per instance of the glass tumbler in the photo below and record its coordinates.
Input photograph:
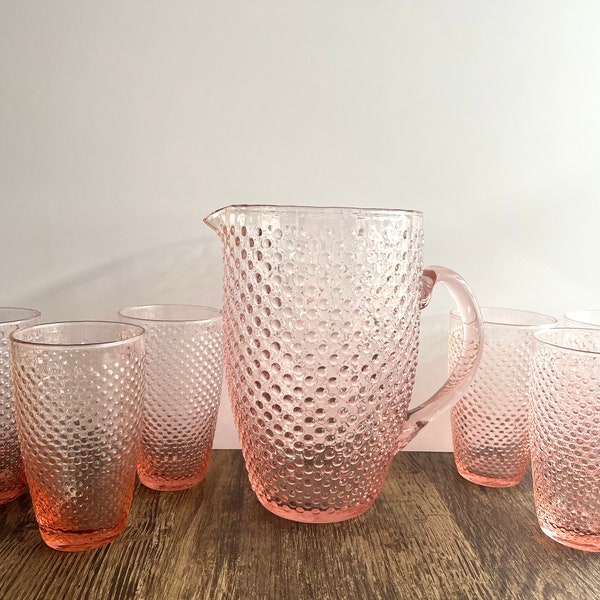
(565, 435)
(583, 318)
(489, 422)
(78, 390)
(183, 392)
(12, 474)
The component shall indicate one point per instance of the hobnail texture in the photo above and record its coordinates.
(184, 379)
(489, 423)
(565, 435)
(321, 328)
(79, 415)
(12, 474)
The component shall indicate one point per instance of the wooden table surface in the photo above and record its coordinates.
(430, 535)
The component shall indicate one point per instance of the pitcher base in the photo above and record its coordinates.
(316, 515)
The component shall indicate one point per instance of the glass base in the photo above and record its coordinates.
(496, 482)
(162, 484)
(77, 541)
(589, 543)
(13, 494)
(316, 515)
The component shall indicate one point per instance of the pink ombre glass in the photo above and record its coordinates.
(12, 475)
(489, 422)
(184, 379)
(321, 322)
(565, 435)
(78, 402)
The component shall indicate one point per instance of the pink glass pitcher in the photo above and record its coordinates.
(321, 315)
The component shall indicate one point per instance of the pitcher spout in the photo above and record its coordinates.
(216, 220)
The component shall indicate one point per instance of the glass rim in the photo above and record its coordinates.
(126, 313)
(572, 316)
(137, 333)
(19, 314)
(539, 335)
(544, 320)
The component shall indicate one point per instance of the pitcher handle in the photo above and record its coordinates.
(469, 357)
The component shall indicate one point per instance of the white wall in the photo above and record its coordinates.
(123, 123)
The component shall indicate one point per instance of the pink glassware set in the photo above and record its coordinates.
(96, 401)
(319, 336)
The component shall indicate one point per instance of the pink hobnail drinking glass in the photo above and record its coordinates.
(78, 390)
(489, 422)
(564, 402)
(321, 322)
(184, 379)
(12, 475)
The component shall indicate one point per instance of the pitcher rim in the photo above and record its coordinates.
(291, 208)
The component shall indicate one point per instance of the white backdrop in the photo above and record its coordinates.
(122, 124)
